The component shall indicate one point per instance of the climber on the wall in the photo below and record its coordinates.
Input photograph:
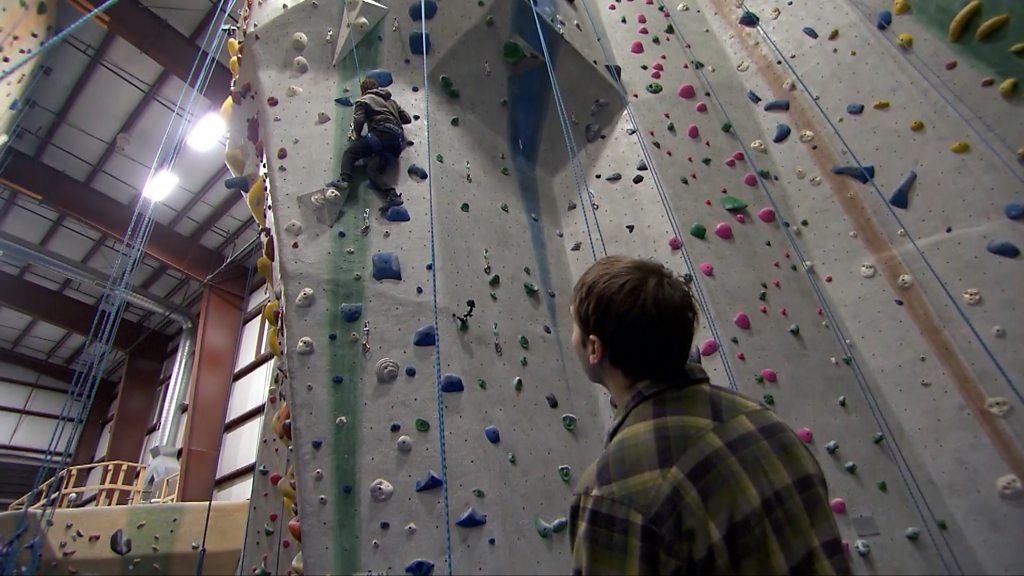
(694, 478)
(382, 144)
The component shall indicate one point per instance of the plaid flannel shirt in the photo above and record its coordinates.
(698, 479)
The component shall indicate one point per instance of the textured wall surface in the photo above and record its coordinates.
(24, 27)
(864, 327)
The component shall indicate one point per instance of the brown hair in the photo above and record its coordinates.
(643, 314)
(368, 84)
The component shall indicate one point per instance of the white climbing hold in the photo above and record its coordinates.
(410, 528)
(323, 499)
(774, 13)
(971, 296)
(293, 227)
(292, 90)
(305, 298)
(867, 270)
(304, 346)
(322, 118)
(789, 85)
(1009, 486)
(329, 38)
(300, 64)
(743, 66)
(387, 370)
(341, 421)
(299, 41)
(806, 136)
(683, 7)
(998, 331)
(381, 490)
(362, 23)
(905, 281)
(815, 180)
(333, 196)
(759, 146)
(800, 173)
(998, 405)
(318, 474)
(404, 443)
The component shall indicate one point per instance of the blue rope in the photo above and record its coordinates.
(56, 39)
(433, 280)
(570, 143)
(899, 221)
(903, 466)
(698, 291)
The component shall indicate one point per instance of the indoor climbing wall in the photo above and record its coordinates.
(24, 26)
(845, 220)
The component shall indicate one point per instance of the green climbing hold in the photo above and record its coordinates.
(727, 127)
(671, 127)
(543, 528)
(489, 21)
(268, 529)
(732, 203)
(511, 458)
(670, 29)
(762, 295)
(478, 493)
(878, 438)
(687, 277)
(42, 8)
(794, 329)
(882, 486)
(655, 88)
(698, 230)
(524, 342)
(565, 472)
(494, 280)
(764, 174)
(769, 399)
(504, 207)
(697, 64)
(851, 467)
(942, 525)
(517, 383)
(527, 270)
(464, 207)
(448, 87)
(440, 158)
(513, 53)
(494, 296)
(656, 40)
(455, 121)
(656, 144)
(569, 422)
(847, 360)
(481, 383)
(422, 425)
(522, 361)
(530, 288)
(505, 172)
(684, 180)
(759, 378)
(706, 161)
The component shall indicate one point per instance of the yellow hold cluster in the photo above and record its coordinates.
(991, 25)
(901, 6)
(959, 22)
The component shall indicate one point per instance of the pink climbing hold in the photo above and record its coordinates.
(723, 230)
(693, 131)
(656, 75)
(658, 66)
(739, 156)
(707, 269)
(708, 347)
(766, 214)
(641, 19)
(769, 375)
(643, 30)
(750, 179)
(805, 435)
(730, 163)
(687, 91)
(838, 505)
(675, 243)
(740, 218)
(637, 47)
(741, 356)
(742, 320)
(611, 6)
(763, 309)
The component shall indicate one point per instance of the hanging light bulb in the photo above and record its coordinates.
(207, 132)
(160, 185)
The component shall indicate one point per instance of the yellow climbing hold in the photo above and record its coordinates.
(959, 22)
(234, 158)
(917, 125)
(233, 66)
(232, 47)
(833, 34)
(1017, 48)
(901, 6)
(991, 25)
(273, 344)
(256, 198)
(881, 104)
(1008, 88)
(226, 108)
(264, 267)
(1020, 153)
(905, 41)
(270, 312)
(960, 147)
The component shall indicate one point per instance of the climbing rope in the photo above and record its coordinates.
(903, 467)
(702, 302)
(433, 280)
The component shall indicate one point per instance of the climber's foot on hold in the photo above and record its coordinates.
(339, 184)
(393, 198)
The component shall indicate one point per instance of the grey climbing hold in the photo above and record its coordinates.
(416, 173)
(426, 336)
(638, 179)
(420, 567)
(777, 106)
(753, 97)
(429, 483)
(397, 214)
(862, 175)
(417, 40)
(811, 32)
(1003, 248)
(749, 19)
(492, 434)
(451, 383)
(119, 544)
(240, 183)
(386, 266)
(613, 177)
(641, 165)
(351, 312)
(425, 11)
(782, 131)
(592, 132)
(383, 77)
(901, 196)
(854, 109)
(471, 518)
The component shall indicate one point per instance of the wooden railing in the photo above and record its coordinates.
(119, 484)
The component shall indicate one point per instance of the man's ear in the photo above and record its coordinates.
(595, 349)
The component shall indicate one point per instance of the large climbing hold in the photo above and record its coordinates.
(884, 20)
(426, 336)
(383, 77)
(863, 174)
(426, 10)
(419, 43)
(1008, 87)
(749, 19)
(777, 106)
(959, 22)
(1003, 248)
(451, 383)
(397, 214)
(687, 91)
(782, 131)
(431, 481)
(637, 47)
(990, 26)
(420, 567)
(854, 109)
(471, 518)
(386, 266)
(901, 196)
(1014, 210)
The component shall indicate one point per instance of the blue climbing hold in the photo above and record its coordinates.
(471, 519)
(884, 19)
(397, 214)
(614, 70)
(382, 76)
(427, 10)
(417, 41)
(559, 524)
(782, 131)
(317, 444)
(1014, 210)
(386, 266)
(777, 106)
(749, 19)
(344, 101)
(420, 567)
(855, 109)
(426, 336)
(240, 183)
(429, 483)
(451, 383)
(811, 32)
(1003, 248)
(862, 175)
(753, 97)
(410, 371)
(351, 312)
(395, 426)
(416, 173)
(901, 196)
(492, 434)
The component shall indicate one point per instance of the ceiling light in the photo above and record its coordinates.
(160, 185)
(207, 132)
